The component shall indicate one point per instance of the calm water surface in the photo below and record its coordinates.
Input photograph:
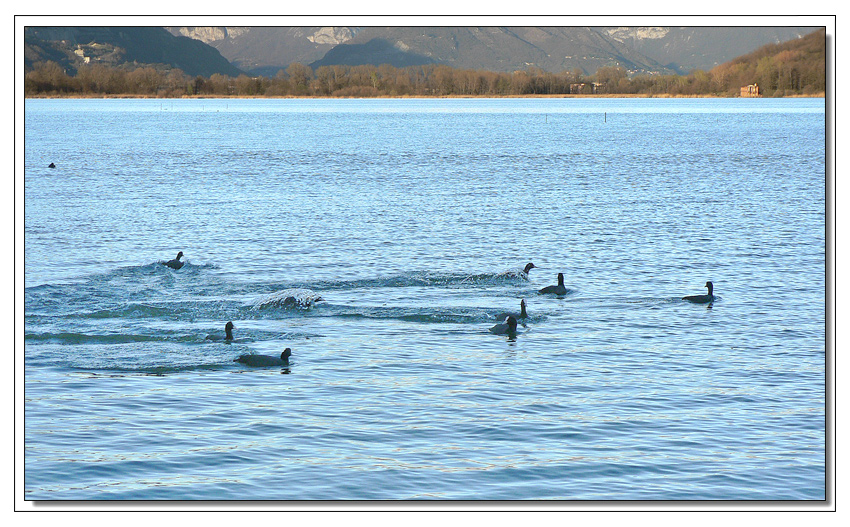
(406, 217)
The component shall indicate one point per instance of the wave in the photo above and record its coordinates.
(131, 305)
(109, 338)
(641, 302)
(144, 283)
(113, 371)
(173, 311)
(152, 269)
(425, 315)
(132, 310)
(420, 279)
(293, 298)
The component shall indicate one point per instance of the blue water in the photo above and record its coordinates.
(406, 217)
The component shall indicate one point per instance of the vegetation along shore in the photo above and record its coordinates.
(794, 68)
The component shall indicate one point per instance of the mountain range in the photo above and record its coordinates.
(639, 50)
(264, 51)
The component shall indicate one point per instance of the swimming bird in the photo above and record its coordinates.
(175, 263)
(556, 289)
(507, 327)
(51, 165)
(522, 313)
(519, 273)
(528, 267)
(702, 299)
(289, 298)
(228, 333)
(265, 360)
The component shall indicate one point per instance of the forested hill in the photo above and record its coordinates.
(794, 67)
(122, 47)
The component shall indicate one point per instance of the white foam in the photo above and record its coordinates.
(296, 297)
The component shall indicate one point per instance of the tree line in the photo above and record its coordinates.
(795, 68)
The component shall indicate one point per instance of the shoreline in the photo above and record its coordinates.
(821, 95)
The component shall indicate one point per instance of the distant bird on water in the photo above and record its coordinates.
(265, 360)
(702, 299)
(522, 312)
(51, 165)
(228, 333)
(559, 289)
(175, 263)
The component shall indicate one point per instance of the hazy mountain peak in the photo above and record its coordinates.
(637, 33)
(209, 34)
(331, 35)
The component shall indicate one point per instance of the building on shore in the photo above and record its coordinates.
(751, 90)
(587, 88)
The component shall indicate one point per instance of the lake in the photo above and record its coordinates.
(398, 229)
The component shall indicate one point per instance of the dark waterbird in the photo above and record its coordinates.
(702, 299)
(51, 165)
(228, 333)
(519, 273)
(556, 289)
(522, 312)
(289, 298)
(508, 327)
(175, 263)
(265, 360)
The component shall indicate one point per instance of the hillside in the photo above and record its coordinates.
(73, 47)
(793, 67)
(684, 49)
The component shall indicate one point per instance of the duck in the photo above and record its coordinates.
(556, 289)
(289, 298)
(228, 333)
(508, 327)
(51, 165)
(520, 273)
(702, 299)
(522, 312)
(528, 267)
(265, 360)
(175, 263)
